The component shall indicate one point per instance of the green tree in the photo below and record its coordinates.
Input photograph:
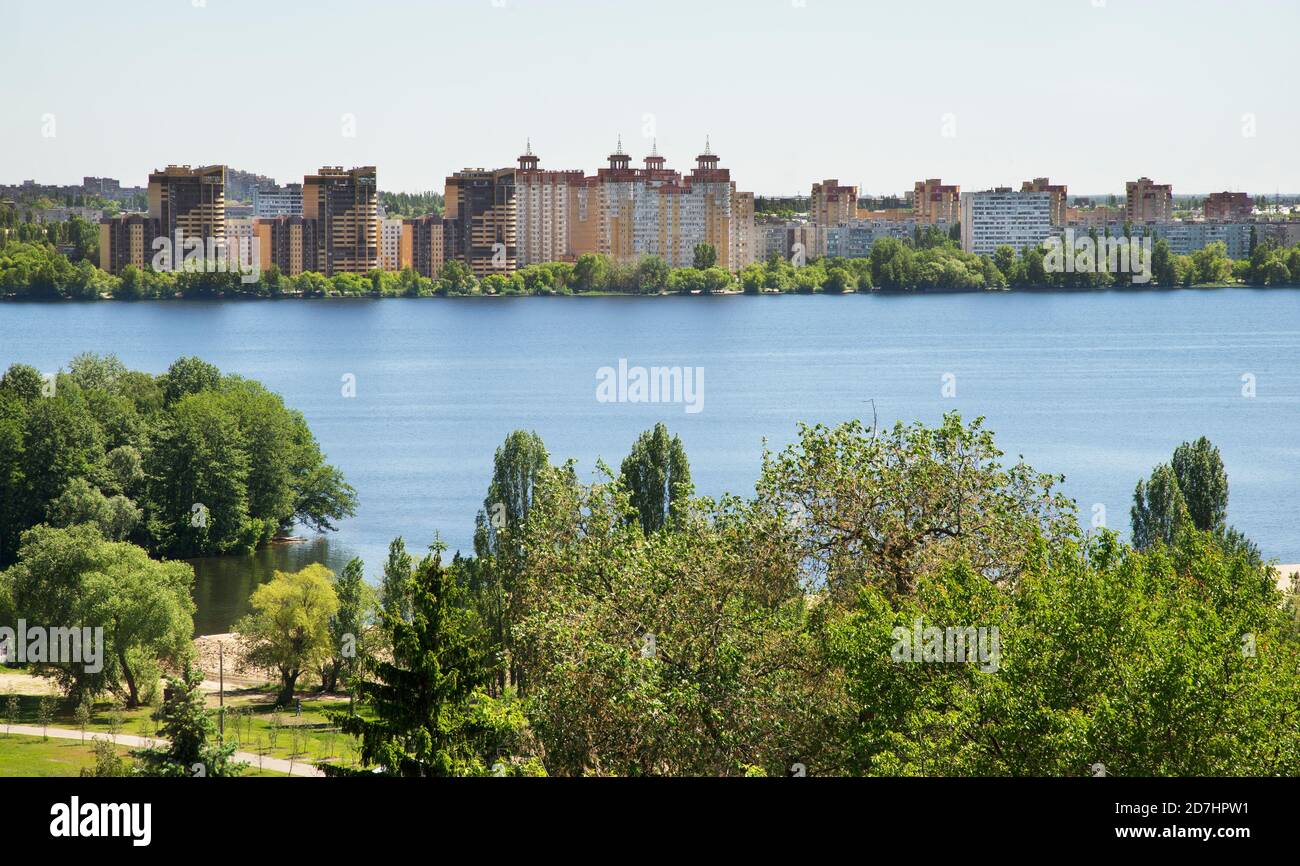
(289, 628)
(186, 723)
(657, 476)
(187, 376)
(705, 256)
(73, 576)
(115, 517)
(1159, 511)
(198, 470)
(395, 587)
(423, 721)
(652, 275)
(348, 625)
(886, 507)
(1163, 268)
(1203, 483)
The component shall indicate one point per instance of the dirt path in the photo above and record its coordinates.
(279, 765)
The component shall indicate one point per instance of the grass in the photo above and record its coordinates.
(252, 721)
(32, 756)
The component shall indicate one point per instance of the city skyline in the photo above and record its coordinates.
(1092, 94)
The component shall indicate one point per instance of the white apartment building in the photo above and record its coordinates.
(239, 239)
(390, 245)
(992, 218)
(542, 203)
(281, 201)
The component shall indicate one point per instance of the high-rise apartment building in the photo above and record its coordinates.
(274, 201)
(627, 212)
(185, 203)
(345, 206)
(1229, 206)
(1058, 192)
(935, 202)
(480, 205)
(742, 221)
(291, 243)
(831, 204)
(391, 248)
(543, 203)
(1148, 202)
(191, 201)
(126, 239)
(427, 239)
(996, 217)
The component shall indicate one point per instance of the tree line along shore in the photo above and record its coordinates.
(932, 261)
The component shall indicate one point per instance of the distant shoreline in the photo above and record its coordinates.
(1040, 290)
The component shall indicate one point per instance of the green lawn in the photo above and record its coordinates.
(32, 756)
(29, 757)
(251, 720)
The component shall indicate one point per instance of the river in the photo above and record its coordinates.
(1097, 386)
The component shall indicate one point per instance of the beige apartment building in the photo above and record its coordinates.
(627, 212)
(1148, 202)
(1093, 217)
(124, 240)
(935, 202)
(544, 201)
(832, 204)
(480, 205)
(184, 200)
(344, 204)
(291, 243)
(425, 241)
(189, 200)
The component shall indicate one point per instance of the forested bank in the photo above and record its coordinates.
(37, 271)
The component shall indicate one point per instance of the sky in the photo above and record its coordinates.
(877, 93)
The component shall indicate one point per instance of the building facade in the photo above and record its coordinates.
(1148, 202)
(480, 205)
(1002, 217)
(290, 243)
(126, 239)
(191, 201)
(427, 240)
(345, 206)
(1229, 206)
(543, 203)
(934, 202)
(1058, 191)
(391, 248)
(275, 201)
(832, 203)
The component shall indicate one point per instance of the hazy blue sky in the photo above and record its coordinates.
(790, 91)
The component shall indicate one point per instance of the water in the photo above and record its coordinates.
(1098, 386)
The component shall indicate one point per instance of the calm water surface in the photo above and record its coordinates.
(1097, 386)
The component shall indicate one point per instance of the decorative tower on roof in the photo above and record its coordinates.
(706, 161)
(654, 162)
(619, 159)
(528, 162)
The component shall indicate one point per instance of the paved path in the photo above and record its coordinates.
(279, 765)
